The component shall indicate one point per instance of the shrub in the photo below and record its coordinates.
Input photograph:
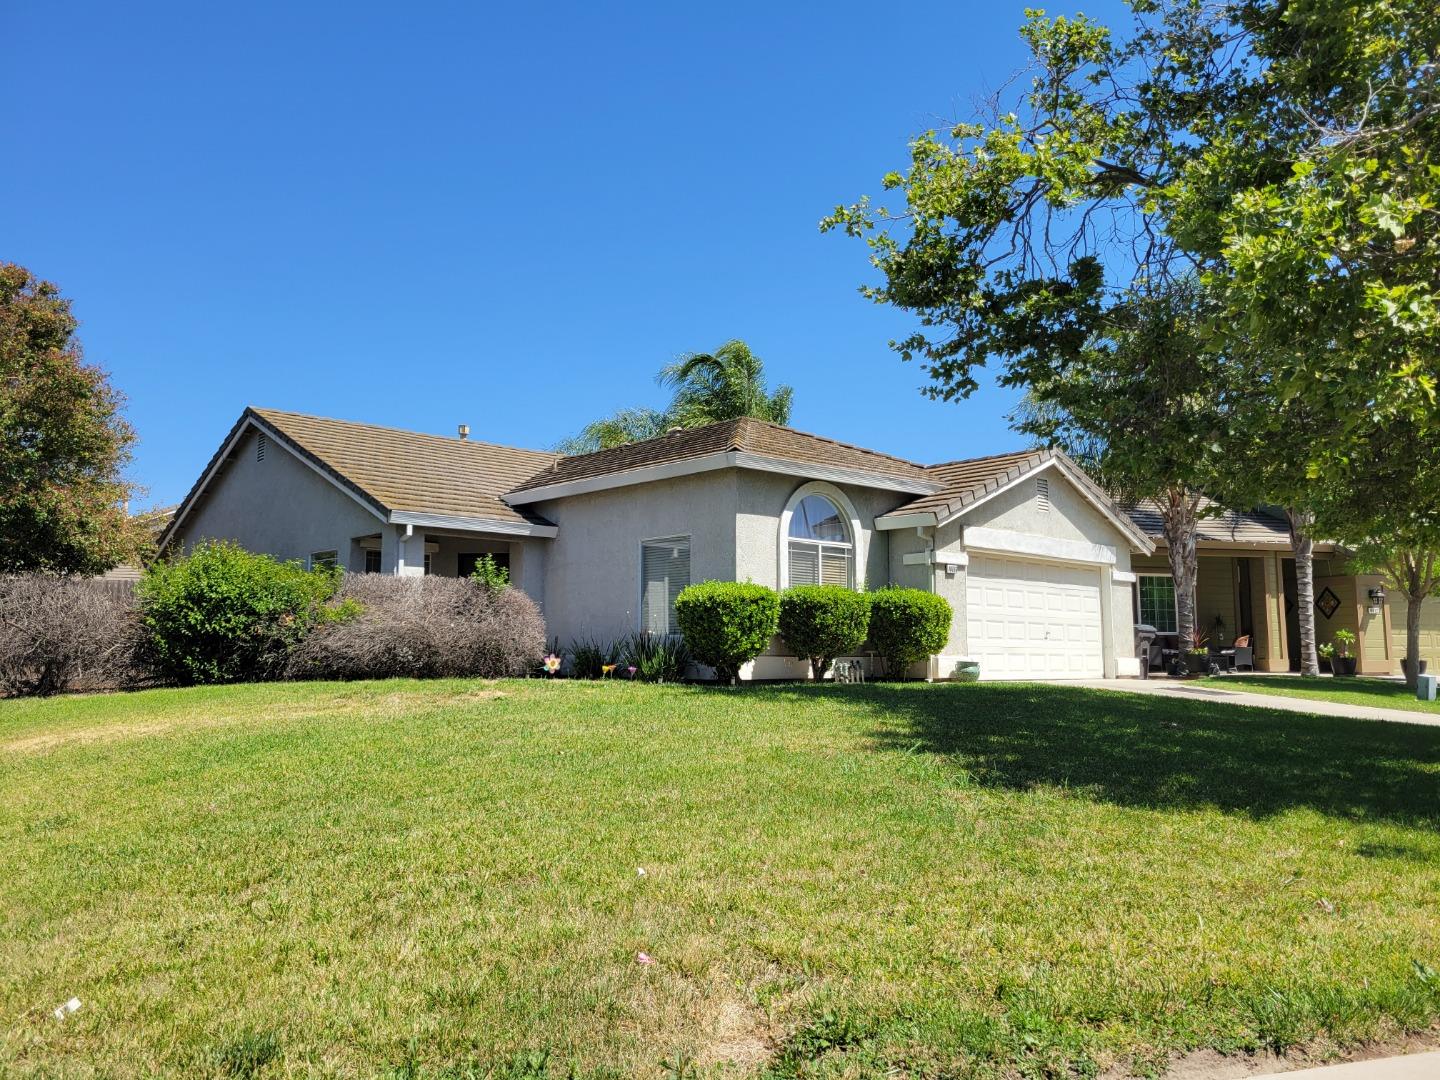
(821, 622)
(57, 630)
(424, 627)
(490, 573)
(907, 625)
(588, 657)
(224, 614)
(727, 623)
(656, 657)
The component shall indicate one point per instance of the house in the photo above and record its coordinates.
(1246, 586)
(1034, 558)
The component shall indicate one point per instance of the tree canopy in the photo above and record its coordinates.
(63, 441)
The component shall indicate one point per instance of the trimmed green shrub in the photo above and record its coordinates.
(224, 614)
(907, 625)
(821, 622)
(727, 623)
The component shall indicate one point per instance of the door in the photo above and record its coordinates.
(1029, 619)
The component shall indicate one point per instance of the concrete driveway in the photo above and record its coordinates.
(1410, 1067)
(1179, 688)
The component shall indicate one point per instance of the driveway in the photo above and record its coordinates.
(1178, 688)
(1410, 1067)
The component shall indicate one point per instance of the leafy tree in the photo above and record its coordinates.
(63, 442)
(724, 385)
(707, 388)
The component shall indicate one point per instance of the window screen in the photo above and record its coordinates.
(664, 571)
(1157, 602)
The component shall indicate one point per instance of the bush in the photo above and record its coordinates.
(656, 657)
(224, 614)
(490, 573)
(424, 627)
(907, 625)
(588, 657)
(57, 630)
(821, 622)
(727, 623)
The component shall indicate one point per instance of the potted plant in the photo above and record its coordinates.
(1405, 666)
(1197, 651)
(1326, 653)
(1342, 663)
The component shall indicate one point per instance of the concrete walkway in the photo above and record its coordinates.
(1181, 689)
(1409, 1067)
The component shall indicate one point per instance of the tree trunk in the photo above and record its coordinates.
(1412, 641)
(1304, 547)
(1179, 520)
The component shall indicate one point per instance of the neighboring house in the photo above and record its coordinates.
(1246, 586)
(1033, 557)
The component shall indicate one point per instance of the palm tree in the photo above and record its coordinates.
(619, 428)
(724, 385)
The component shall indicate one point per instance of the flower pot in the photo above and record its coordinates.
(1343, 665)
(1405, 666)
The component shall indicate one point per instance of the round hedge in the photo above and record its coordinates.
(907, 625)
(821, 622)
(727, 623)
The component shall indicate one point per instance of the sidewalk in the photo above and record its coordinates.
(1409, 1067)
(1178, 688)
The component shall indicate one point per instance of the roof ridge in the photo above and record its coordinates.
(833, 442)
(448, 440)
(1041, 450)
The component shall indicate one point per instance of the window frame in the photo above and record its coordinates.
(326, 556)
(1174, 601)
(673, 538)
(848, 516)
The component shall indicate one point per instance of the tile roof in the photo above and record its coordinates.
(1222, 526)
(745, 435)
(972, 479)
(410, 472)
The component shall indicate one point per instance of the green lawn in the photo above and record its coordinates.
(1380, 693)
(440, 879)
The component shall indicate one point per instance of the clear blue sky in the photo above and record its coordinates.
(510, 216)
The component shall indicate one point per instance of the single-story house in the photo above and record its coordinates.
(1038, 563)
(1034, 558)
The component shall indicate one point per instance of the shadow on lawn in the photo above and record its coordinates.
(1147, 751)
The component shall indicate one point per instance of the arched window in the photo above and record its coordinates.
(819, 549)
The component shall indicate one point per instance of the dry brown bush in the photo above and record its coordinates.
(423, 628)
(58, 631)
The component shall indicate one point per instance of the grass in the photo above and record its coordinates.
(441, 880)
(1377, 693)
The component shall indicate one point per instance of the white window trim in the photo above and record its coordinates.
(846, 507)
(671, 538)
(1140, 598)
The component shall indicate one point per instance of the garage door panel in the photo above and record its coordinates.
(1034, 619)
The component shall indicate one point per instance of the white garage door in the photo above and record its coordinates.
(1033, 620)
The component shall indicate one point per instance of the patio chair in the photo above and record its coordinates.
(1241, 654)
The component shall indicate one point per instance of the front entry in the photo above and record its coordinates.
(1028, 619)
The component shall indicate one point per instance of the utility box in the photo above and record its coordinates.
(1425, 686)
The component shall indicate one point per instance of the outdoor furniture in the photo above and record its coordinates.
(1241, 654)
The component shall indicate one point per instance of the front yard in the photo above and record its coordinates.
(444, 879)
(1377, 693)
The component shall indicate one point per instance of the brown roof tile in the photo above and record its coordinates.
(744, 435)
(1222, 527)
(410, 472)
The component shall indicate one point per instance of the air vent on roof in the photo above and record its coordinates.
(1042, 493)
(260, 444)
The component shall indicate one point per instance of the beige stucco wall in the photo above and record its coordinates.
(592, 568)
(279, 506)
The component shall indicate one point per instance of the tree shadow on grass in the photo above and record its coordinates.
(1160, 752)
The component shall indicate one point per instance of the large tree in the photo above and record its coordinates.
(705, 388)
(63, 441)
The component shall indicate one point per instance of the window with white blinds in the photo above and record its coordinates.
(664, 571)
(819, 550)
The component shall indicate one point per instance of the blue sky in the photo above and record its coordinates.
(509, 217)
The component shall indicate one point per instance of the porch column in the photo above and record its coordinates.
(400, 554)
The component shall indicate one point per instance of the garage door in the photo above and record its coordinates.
(1033, 620)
